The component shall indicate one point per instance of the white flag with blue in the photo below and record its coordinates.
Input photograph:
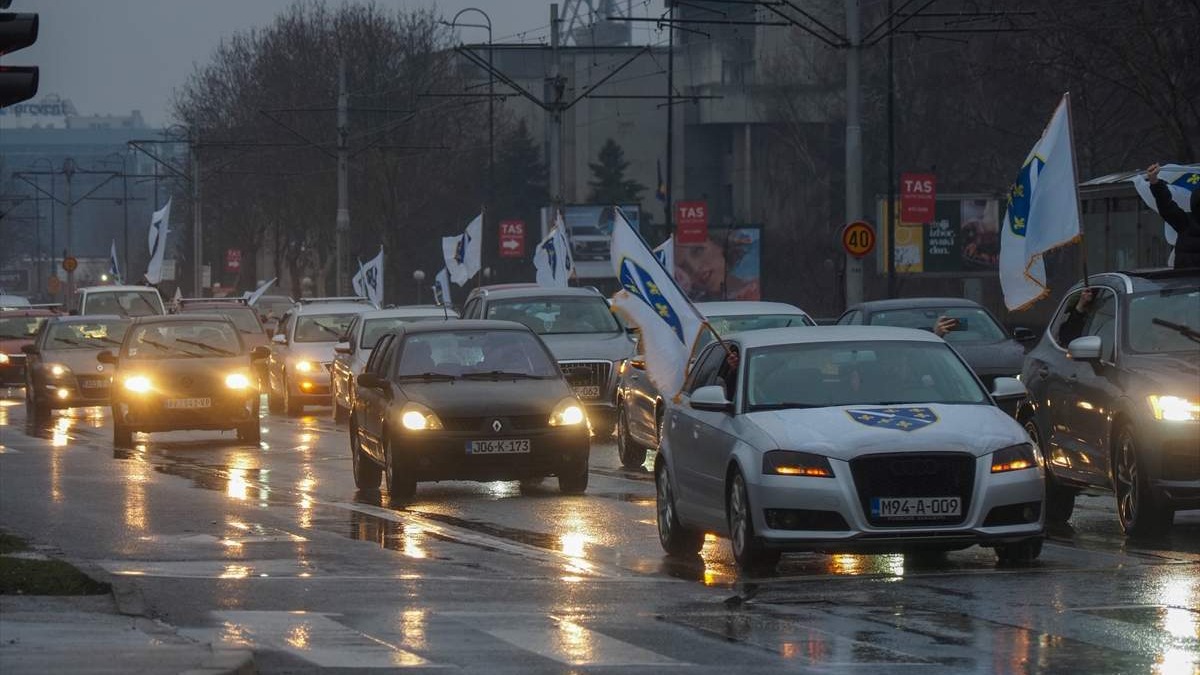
(441, 288)
(1043, 212)
(114, 268)
(650, 300)
(157, 240)
(464, 254)
(1182, 180)
(368, 283)
(665, 252)
(552, 259)
(254, 297)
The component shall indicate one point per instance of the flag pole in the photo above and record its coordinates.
(482, 229)
(1078, 200)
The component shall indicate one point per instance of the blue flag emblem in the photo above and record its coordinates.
(641, 285)
(1187, 181)
(460, 251)
(1020, 195)
(551, 255)
(901, 419)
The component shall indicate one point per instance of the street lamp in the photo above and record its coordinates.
(69, 169)
(453, 23)
(418, 277)
(41, 277)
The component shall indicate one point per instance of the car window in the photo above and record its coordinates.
(475, 352)
(20, 327)
(1102, 322)
(387, 364)
(182, 339)
(974, 324)
(469, 310)
(90, 335)
(1164, 321)
(243, 317)
(377, 356)
(321, 327)
(724, 325)
(373, 329)
(552, 316)
(851, 319)
(858, 373)
(705, 371)
(123, 303)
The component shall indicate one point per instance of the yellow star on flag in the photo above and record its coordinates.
(1194, 178)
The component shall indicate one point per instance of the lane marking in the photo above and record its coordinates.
(569, 642)
(314, 637)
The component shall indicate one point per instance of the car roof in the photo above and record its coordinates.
(463, 325)
(517, 291)
(1139, 281)
(87, 318)
(746, 308)
(7, 301)
(110, 289)
(209, 304)
(175, 318)
(9, 312)
(913, 303)
(410, 310)
(332, 308)
(807, 334)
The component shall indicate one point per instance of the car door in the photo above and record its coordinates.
(370, 404)
(342, 371)
(1093, 391)
(683, 433)
(275, 364)
(715, 437)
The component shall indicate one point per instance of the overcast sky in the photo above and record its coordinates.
(113, 56)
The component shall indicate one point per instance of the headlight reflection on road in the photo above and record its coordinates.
(575, 642)
(137, 474)
(412, 627)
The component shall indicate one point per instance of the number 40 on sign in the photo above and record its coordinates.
(858, 238)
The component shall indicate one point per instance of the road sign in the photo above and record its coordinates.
(233, 260)
(691, 222)
(70, 264)
(53, 285)
(917, 197)
(512, 239)
(858, 238)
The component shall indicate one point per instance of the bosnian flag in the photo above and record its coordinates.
(114, 269)
(441, 288)
(1182, 180)
(157, 240)
(665, 252)
(464, 254)
(552, 259)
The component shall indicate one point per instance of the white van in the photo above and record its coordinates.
(118, 300)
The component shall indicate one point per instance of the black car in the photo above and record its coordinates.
(978, 337)
(466, 400)
(187, 371)
(1114, 397)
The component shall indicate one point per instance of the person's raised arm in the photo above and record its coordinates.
(1176, 217)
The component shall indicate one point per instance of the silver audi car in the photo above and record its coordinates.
(845, 438)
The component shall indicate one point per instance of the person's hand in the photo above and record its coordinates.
(731, 359)
(1085, 300)
(944, 325)
(1152, 173)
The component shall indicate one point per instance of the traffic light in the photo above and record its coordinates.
(17, 31)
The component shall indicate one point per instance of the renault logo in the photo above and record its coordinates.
(497, 426)
(100, 367)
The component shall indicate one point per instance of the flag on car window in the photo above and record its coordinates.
(441, 288)
(552, 259)
(1043, 212)
(368, 282)
(464, 254)
(114, 269)
(650, 300)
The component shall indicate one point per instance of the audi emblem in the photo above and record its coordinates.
(497, 426)
(914, 467)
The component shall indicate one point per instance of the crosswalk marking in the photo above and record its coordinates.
(314, 637)
(569, 642)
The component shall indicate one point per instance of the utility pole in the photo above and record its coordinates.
(891, 154)
(554, 94)
(69, 171)
(197, 231)
(854, 266)
(343, 163)
(669, 215)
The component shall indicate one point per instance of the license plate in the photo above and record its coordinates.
(508, 446)
(916, 508)
(590, 391)
(95, 384)
(188, 403)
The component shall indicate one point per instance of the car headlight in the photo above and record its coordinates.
(568, 413)
(138, 384)
(305, 367)
(57, 369)
(416, 417)
(237, 381)
(1174, 408)
(1015, 458)
(793, 463)
(3, 359)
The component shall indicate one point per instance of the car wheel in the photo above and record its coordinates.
(676, 539)
(632, 455)
(401, 485)
(291, 406)
(250, 432)
(573, 480)
(532, 483)
(274, 402)
(36, 411)
(367, 473)
(748, 548)
(122, 435)
(1020, 553)
(1138, 510)
(1060, 501)
(340, 412)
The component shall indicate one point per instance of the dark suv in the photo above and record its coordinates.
(1114, 397)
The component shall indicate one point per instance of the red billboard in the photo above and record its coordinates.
(691, 222)
(233, 260)
(512, 239)
(918, 192)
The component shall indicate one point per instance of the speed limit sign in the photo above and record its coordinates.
(858, 238)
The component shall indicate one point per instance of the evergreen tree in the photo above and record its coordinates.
(609, 185)
(521, 176)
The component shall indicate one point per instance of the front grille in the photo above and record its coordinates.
(946, 474)
(587, 374)
(1181, 460)
(193, 384)
(508, 424)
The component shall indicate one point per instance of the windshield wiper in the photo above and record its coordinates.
(784, 406)
(327, 329)
(218, 350)
(427, 377)
(1186, 331)
(500, 375)
(69, 341)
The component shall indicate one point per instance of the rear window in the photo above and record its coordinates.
(182, 339)
(90, 335)
(321, 327)
(555, 316)
(20, 327)
(123, 303)
(475, 352)
(245, 318)
(977, 325)
(376, 328)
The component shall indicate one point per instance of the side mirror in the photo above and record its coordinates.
(1008, 389)
(1086, 348)
(260, 353)
(107, 357)
(711, 398)
(1023, 334)
(371, 381)
(279, 339)
(342, 347)
(29, 349)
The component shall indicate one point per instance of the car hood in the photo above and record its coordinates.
(474, 398)
(605, 346)
(80, 361)
(1177, 373)
(13, 346)
(846, 432)
(204, 368)
(992, 358)
(321, 352)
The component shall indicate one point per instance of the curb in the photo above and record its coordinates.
(226, 662)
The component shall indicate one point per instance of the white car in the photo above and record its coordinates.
(302, 352)
(364, 331)
(845, 438)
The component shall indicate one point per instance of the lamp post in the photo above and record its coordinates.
(69, 171)
(491, 183)
(418, 277)
(41, 275)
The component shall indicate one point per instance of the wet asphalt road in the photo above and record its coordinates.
(273, 548)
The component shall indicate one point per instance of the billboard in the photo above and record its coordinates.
(589, 229)
(962, 237)
(727, 265)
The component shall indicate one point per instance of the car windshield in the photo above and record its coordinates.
(1164, 321)
(322, 327)
(90, 335)
(20, 327)
(123, 303)
(724, 325)
(376, 328)
(476, 352)
(554, 316)
(182, 339)
(975, 324)
(243, 317)
(857, 373)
